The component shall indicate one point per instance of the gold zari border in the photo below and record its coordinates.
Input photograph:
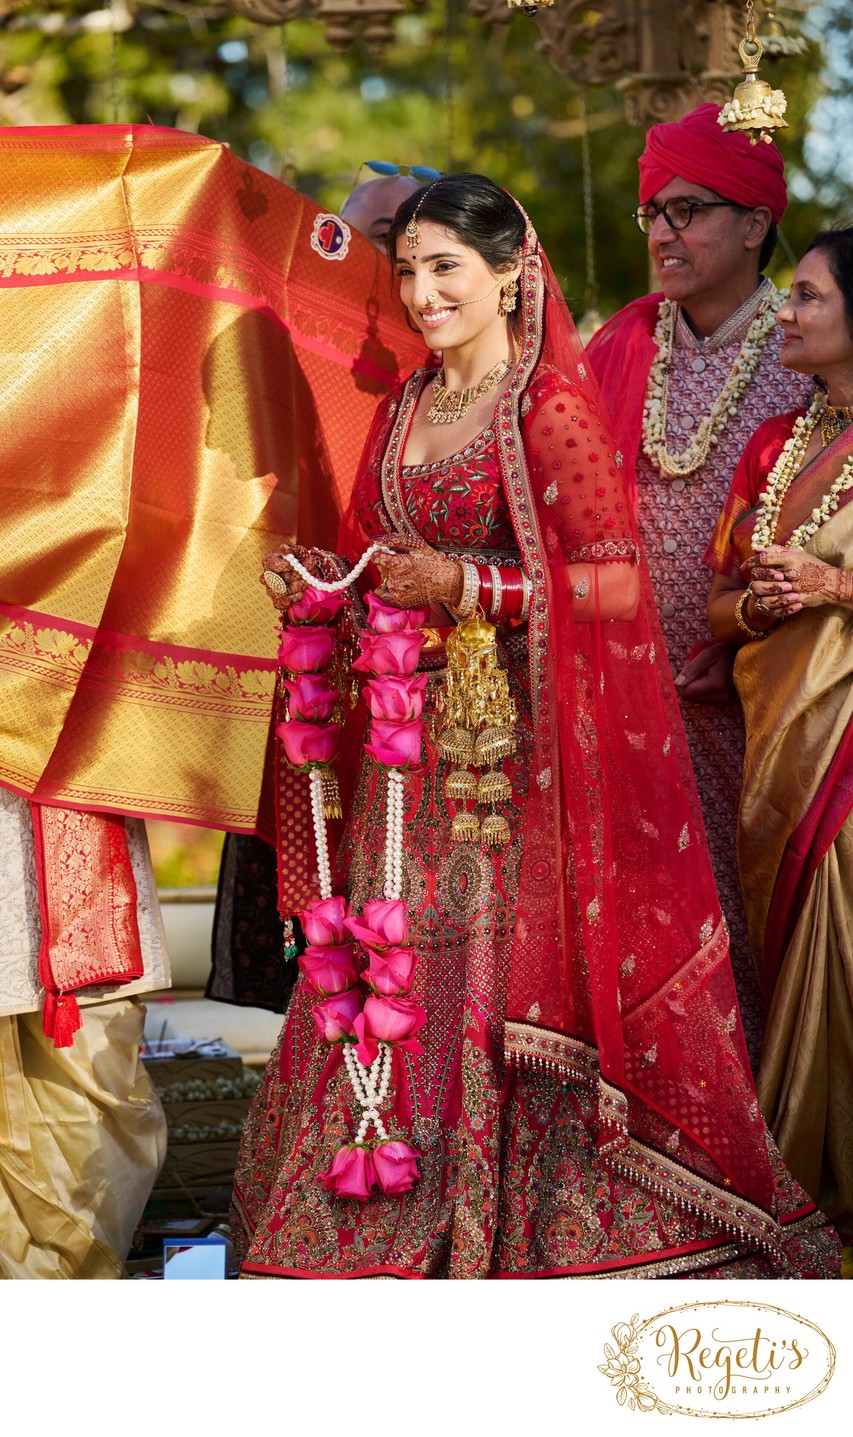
(577, 1061)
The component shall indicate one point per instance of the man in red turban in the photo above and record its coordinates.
(688, 374)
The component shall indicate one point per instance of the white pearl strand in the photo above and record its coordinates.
(321, 840)
(394, 834)
(370, 1086)
(331, 586)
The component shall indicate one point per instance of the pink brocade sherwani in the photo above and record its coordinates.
(676, 518)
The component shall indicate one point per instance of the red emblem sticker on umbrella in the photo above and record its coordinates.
(330, 237)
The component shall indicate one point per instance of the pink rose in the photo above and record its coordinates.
(325, 922)
(390, 653)
(390, 972)
(383, 618)
(306, 650)
(307, 743)
(396, 1167)
(395, 699)
(352, 1173)
(394, 1021)
(382, 925)
(396, 745)
(336, 1017)
(312, 697)
(315, 607)
(330, 970)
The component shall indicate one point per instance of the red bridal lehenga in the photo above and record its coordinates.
(583, 1105)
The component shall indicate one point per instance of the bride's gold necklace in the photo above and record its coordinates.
(448, 405)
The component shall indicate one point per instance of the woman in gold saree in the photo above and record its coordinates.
(783, 591)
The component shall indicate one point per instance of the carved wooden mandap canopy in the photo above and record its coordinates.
(664, 55)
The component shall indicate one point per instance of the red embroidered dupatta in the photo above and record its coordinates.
(620, 972)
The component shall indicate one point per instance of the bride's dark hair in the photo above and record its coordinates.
(476, 210)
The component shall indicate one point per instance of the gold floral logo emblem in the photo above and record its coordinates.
(718, 1359)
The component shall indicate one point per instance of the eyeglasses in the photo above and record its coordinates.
(418, 172)
(677, 212)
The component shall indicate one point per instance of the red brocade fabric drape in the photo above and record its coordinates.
(191, 358)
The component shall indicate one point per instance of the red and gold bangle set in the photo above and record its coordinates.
(503, 593)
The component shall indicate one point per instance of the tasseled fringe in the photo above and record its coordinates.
(61, 1018)
(615, 1138)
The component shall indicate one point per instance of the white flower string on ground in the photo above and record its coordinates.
(711, 428)
(369, 1027)
(782, 476)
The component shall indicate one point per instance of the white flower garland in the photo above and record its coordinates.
(782, 476)
(711, 428)
(737, 115)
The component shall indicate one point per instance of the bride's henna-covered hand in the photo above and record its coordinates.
(808, 581)
(295, 585)
(416, 576)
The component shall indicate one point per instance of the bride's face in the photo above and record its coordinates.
(449, 290)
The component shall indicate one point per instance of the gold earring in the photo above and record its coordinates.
(509, 297)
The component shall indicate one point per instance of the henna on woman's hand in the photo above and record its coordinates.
(815, 577)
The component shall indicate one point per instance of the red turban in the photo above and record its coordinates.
(700, 150)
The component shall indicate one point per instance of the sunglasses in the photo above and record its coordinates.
(423, 173)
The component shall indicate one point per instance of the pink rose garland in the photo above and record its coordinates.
(310, 736)
(368, 1027)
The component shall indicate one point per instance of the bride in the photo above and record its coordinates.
(566, 1092)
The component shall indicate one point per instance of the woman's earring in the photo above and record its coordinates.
(509, 296)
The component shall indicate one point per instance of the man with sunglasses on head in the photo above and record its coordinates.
(371, 205)
(688, 375)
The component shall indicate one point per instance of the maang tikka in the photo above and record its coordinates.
(413, 229)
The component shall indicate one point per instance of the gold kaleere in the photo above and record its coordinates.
(332, 807)
(755, 108)
(461, 784)
(477, 729)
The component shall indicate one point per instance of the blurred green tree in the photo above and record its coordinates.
(449, 92)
